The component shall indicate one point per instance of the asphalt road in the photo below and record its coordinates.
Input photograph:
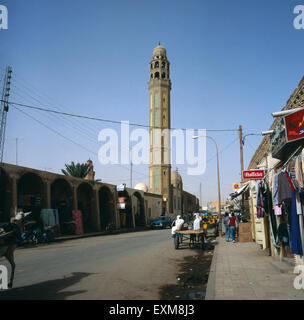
(128, 266)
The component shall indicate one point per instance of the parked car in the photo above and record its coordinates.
(161, 222)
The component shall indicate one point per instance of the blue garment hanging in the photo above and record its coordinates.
(296, 242)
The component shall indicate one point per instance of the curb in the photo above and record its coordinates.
(210, 291)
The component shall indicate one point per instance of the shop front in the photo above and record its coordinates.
(5, 197)
(279, 197)
(85, 202)
(139, 209)
(30, 195)
(124, 207)
(107, 208)
(61, 204)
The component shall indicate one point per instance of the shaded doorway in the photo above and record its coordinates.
(106, 207)
(30, 194)
(139, 209)
(125, 209)
(62, 200)
(85, 197)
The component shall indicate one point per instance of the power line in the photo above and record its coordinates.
(106, 120)
(70, 140)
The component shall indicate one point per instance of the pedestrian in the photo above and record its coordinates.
(226, 223)
(284, 237)
(232, 226)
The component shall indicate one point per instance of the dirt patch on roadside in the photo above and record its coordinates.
(192, 277)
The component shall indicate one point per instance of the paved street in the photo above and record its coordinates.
(242, 271)
(126, 266)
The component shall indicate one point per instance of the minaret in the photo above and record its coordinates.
(159, 107)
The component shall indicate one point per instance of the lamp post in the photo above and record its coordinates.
(218, 182)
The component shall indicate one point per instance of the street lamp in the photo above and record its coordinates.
(218, 182)
(267, 133)
(286, 112)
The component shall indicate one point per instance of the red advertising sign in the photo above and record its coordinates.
(254, 174)
(236, 186)
(294, 124)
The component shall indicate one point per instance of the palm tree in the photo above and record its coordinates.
(79, 170)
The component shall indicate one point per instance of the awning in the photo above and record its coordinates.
(238, 192)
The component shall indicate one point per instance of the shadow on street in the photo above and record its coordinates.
(48, 290)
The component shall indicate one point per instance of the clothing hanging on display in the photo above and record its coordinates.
(296, 242)
(299, 173)
(77, 216)
(29, 200)
(48, 218)
(284, 189)
(277, 210)
(260, 202)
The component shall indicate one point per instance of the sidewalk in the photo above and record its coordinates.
(242, 271)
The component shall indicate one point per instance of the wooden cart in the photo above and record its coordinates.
(196, 238)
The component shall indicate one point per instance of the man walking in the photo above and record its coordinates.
(232, 226)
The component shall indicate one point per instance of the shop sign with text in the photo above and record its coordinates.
(254, 174)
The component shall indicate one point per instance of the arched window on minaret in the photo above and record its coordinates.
(156, 76)
(156, 64)
(151, 65)
(163, 64)
(163, 75)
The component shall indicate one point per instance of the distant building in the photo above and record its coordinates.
(213, 206)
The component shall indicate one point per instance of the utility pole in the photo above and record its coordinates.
(200, 195)
(241, 152)
(242, 167)
(4, 108)
(131, 169)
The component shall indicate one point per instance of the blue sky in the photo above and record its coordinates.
(232, 63)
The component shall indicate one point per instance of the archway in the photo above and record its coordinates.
(84, 197)
(30, 194)
(125, 209)
(61, 199)
(5, 197)
(106, 207)
(139, 209)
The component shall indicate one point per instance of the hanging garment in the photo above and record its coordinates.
(260, 202)
(296, 241)
(56, 214)
(284, 188)
(275, 189)
(298, 202)
(37, 201)
(299, 172)
(27, 201)
(292, 186)
(302, 160)
(77, 216)
(277, 210)
(48, 217)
